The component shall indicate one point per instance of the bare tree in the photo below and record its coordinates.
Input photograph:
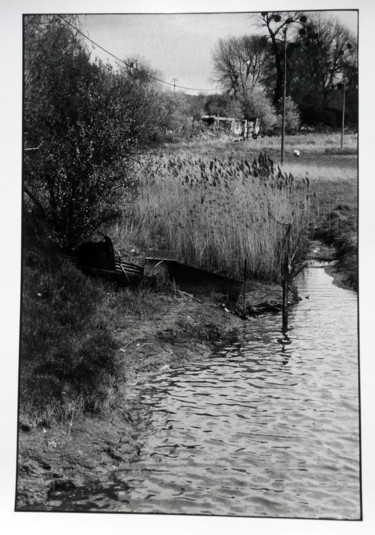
(239, 63)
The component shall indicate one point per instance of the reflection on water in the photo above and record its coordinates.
(264, 427)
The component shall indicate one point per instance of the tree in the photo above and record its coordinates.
(257, 104)
(240, 66)
(315, 67)
(196, 106)
(217, 104)
(276, 25)
(178, 116)
(239, 63)
(292, 117)
(144, 101)
(82, 121)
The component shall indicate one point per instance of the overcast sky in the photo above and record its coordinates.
(177, 46)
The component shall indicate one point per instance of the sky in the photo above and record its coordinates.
(178, 46)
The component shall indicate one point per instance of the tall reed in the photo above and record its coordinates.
(215, 213)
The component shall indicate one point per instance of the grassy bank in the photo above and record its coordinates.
(84, 343)
(310, 145)
(334, 181)
(69, 361)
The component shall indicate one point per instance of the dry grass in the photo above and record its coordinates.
(201, 199)
(215, 213)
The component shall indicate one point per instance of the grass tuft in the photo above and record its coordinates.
(68, 354)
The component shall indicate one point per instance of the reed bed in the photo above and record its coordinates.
(215, 213)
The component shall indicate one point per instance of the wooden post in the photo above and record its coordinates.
(286, 277)
(244, 287)
(285, 304)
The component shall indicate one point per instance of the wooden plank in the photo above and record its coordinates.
(160, 254)
(130, 269)
(98, 260)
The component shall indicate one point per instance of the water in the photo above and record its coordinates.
(267, 426)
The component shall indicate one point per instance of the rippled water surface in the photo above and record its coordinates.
(267, 426)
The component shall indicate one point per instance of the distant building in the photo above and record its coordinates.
(237, 127)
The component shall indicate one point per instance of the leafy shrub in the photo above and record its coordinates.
(292, 117)
(83, 121)
(258, 105)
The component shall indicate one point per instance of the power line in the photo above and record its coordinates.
(130, 66)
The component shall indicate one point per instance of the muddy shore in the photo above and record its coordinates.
(82, 451)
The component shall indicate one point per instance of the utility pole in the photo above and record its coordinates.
(174, 84)
(244, 287)
(344, 57)
(343, 109)
(284, 100)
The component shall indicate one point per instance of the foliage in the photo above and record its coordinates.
(257, 104)
(82, 122)
(277, 26)
(319, 50)
(316, 62)
(292, 117)
(178, 117)
(217, 105)
(240, 65)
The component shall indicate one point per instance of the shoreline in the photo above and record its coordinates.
(75, 454)
(82, 452)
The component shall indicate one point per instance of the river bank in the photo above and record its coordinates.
(85, 458)
(65, 456)
(80, 452)
(341, 269)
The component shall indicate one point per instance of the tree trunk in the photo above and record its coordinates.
(279, 72)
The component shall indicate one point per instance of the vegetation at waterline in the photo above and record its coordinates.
(334, 181)
(70, 363)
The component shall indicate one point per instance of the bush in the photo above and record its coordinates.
(258, 105)
(83, 121)
(292, 117)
